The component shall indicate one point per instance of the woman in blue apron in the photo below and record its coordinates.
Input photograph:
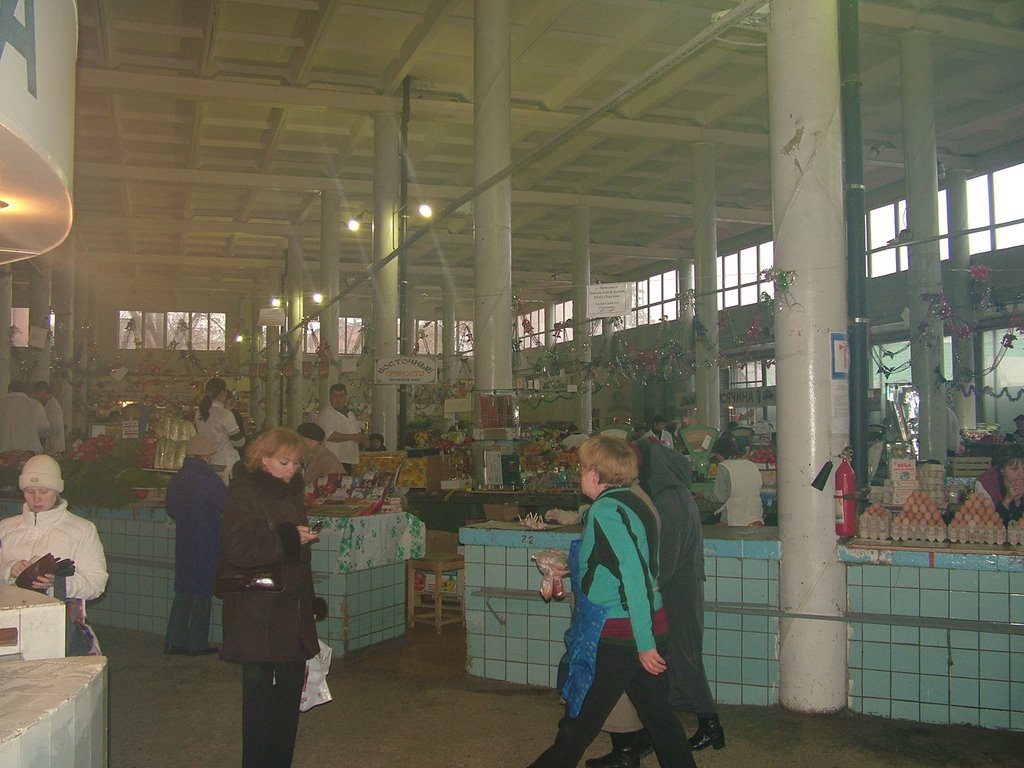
(616, 642)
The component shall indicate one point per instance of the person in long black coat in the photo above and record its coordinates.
(271, 634)
(195, 501)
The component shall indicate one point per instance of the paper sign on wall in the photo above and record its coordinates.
(272, 316)
(609, 299)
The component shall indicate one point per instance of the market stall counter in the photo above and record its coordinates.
(358, 567)
(450, 510)
(936, 629)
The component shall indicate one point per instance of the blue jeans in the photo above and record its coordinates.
(188, 626)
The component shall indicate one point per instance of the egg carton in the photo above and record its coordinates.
(902, 531)
(873, 527)
(1014, 533)
(959, 534)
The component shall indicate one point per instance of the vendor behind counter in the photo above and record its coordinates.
(1004, 482)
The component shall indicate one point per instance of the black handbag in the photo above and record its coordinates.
(230, 578)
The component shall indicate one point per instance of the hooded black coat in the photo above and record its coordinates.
(260, 519)
(664, 476)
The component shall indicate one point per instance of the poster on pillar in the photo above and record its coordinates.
(608, 300)
(405, 369)
(840, 376)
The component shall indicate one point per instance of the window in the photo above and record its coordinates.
(19, 327)
(532, 334)
(1008, 206)
(464, 338)
(201, 331)
(563, 330)
(740, 275)
(428, 337)
(995, 206)
(655, 300)
(350, 335)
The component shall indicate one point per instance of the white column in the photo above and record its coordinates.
(582, 327)
(40, 286)
(685, 270)
(84, 338)
(385, 281)
(925, 276)
(959, 292)
(330, 283)
(449, 323)
(705, 253)
(493, 208)
(62, 377)
(272, 387)
(807, 210)
(296, 260)
(6, 305)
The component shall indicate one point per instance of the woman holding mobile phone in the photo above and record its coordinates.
(271, 634)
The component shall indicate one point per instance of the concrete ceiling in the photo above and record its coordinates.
(207, 128)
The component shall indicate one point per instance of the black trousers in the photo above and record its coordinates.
(619, 670)
(270, 712)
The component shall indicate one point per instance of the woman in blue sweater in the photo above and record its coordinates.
(617, 639)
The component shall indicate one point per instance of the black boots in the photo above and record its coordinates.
(627, 749)
(709, 733)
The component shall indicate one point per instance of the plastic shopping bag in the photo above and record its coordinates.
(315, 691)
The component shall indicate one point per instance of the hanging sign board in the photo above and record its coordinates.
(609, 299)
(272, 316)
(407, 369)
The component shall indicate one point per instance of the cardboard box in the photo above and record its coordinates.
(504, 512)
(442, 543)
(450, 582)
(422, 472)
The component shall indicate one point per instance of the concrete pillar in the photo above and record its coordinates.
(582, 326)
(62, 373)
(685, 270)
(40, 288)
(925, 276)
(807, 210)
(6, 306)
(272, 385)
(493, 208)
(330, 285)
(549, 325)
(449, 332)
(296, 383)
(384, 418)
(959, 293)
(84, 339)
(705, 253)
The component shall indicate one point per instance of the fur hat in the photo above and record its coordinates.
(41, 472)
(311, 431)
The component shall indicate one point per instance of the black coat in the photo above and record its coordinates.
(195, 501)
(664, 476)
(260, 519)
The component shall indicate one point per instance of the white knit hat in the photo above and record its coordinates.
(41, 472)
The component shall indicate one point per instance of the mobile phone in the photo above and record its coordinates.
(317, 526)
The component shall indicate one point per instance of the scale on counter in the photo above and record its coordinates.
(698, 439)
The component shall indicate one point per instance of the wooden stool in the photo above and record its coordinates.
(439, 608)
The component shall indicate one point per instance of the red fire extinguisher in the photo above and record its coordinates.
(846, 499)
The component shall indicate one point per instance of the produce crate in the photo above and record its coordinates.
(970, 466)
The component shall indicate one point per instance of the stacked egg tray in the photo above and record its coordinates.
(920, 519)
(1014, 533)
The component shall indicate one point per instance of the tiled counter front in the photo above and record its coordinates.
(364, 588)
(513, 635)
(936, 637)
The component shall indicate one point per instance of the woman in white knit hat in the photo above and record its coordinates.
(46, 526)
